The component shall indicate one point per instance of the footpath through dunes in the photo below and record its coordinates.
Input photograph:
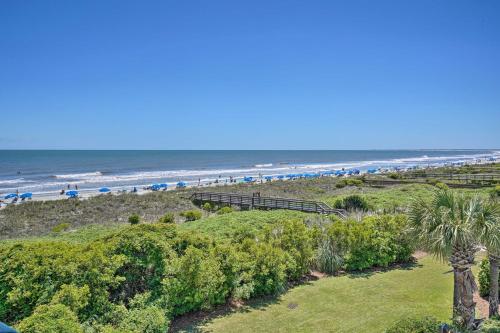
(364, 302)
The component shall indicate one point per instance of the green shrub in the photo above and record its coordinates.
(191, 215)
(352, 202)
(167, 218)
(294, 238)
(484, 278)
(441, 186)
(432, 181)
(75, 298)
(394, 175)
(415, 325)
(495, 192)
(208, 207)
(197, 282)
(134, 219)
(33, 272)
(56, 318)
(61, 227)
(224, 210)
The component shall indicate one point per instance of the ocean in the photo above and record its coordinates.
(46, 171)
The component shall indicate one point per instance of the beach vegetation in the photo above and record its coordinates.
(225, 210)
(352, 202)
(209, 207)
(61, 227)
(191, 215)
(167, 218)
(134, 219)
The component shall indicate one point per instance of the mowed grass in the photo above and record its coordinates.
(368, 302)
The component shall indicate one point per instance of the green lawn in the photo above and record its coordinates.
(363, 303)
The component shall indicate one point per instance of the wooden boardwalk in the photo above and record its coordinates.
(256, 201)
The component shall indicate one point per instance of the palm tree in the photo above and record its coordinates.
(489, 231)
(448, 228)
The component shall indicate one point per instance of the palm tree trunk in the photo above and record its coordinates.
(462, 260)
(494, 262)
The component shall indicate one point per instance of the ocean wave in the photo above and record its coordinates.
(79, 175)
(267, 165)
(14, 181)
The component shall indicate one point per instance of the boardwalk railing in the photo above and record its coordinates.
(487, 178)
(248, 201)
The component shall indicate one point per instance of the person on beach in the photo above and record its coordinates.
(199, 182)
(76, 187)
(134, 190)
(69, 187)
(62, 192)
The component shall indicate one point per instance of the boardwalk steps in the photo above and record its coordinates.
(256, 201)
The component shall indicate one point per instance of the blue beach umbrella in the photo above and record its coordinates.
(356, 171)
(372, 170)
(248, 179)
(104, 190)
(72, 194)
(290, 176)
(163, 185)
(26, 195)
(268, 177)
(327, 173)
(181, 184)
(280, 176)
(155, 187)
(10, 195)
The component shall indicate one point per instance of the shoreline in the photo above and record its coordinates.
(141, 189)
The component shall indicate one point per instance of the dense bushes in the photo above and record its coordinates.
(56, 318)
(484, 278)
(138, 278)
(375, 241)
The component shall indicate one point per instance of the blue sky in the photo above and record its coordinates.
(250, 74)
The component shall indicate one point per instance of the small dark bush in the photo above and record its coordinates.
(167, 218)
(352, 202)
(415, 325)
(134, 219)
(191, 215)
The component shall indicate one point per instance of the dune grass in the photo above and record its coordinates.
(242, 222)
(367, 302)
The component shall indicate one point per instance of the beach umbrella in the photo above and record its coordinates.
(268, 177)
(181, 184)
(290, 176)
(247, 179)
(155, 187)
(104, 190)
(72, 194)
(356, 171)
(372, 170)
(163, 185)
(280, 176)
(10, 195)
(26, 195)
(326, 173)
